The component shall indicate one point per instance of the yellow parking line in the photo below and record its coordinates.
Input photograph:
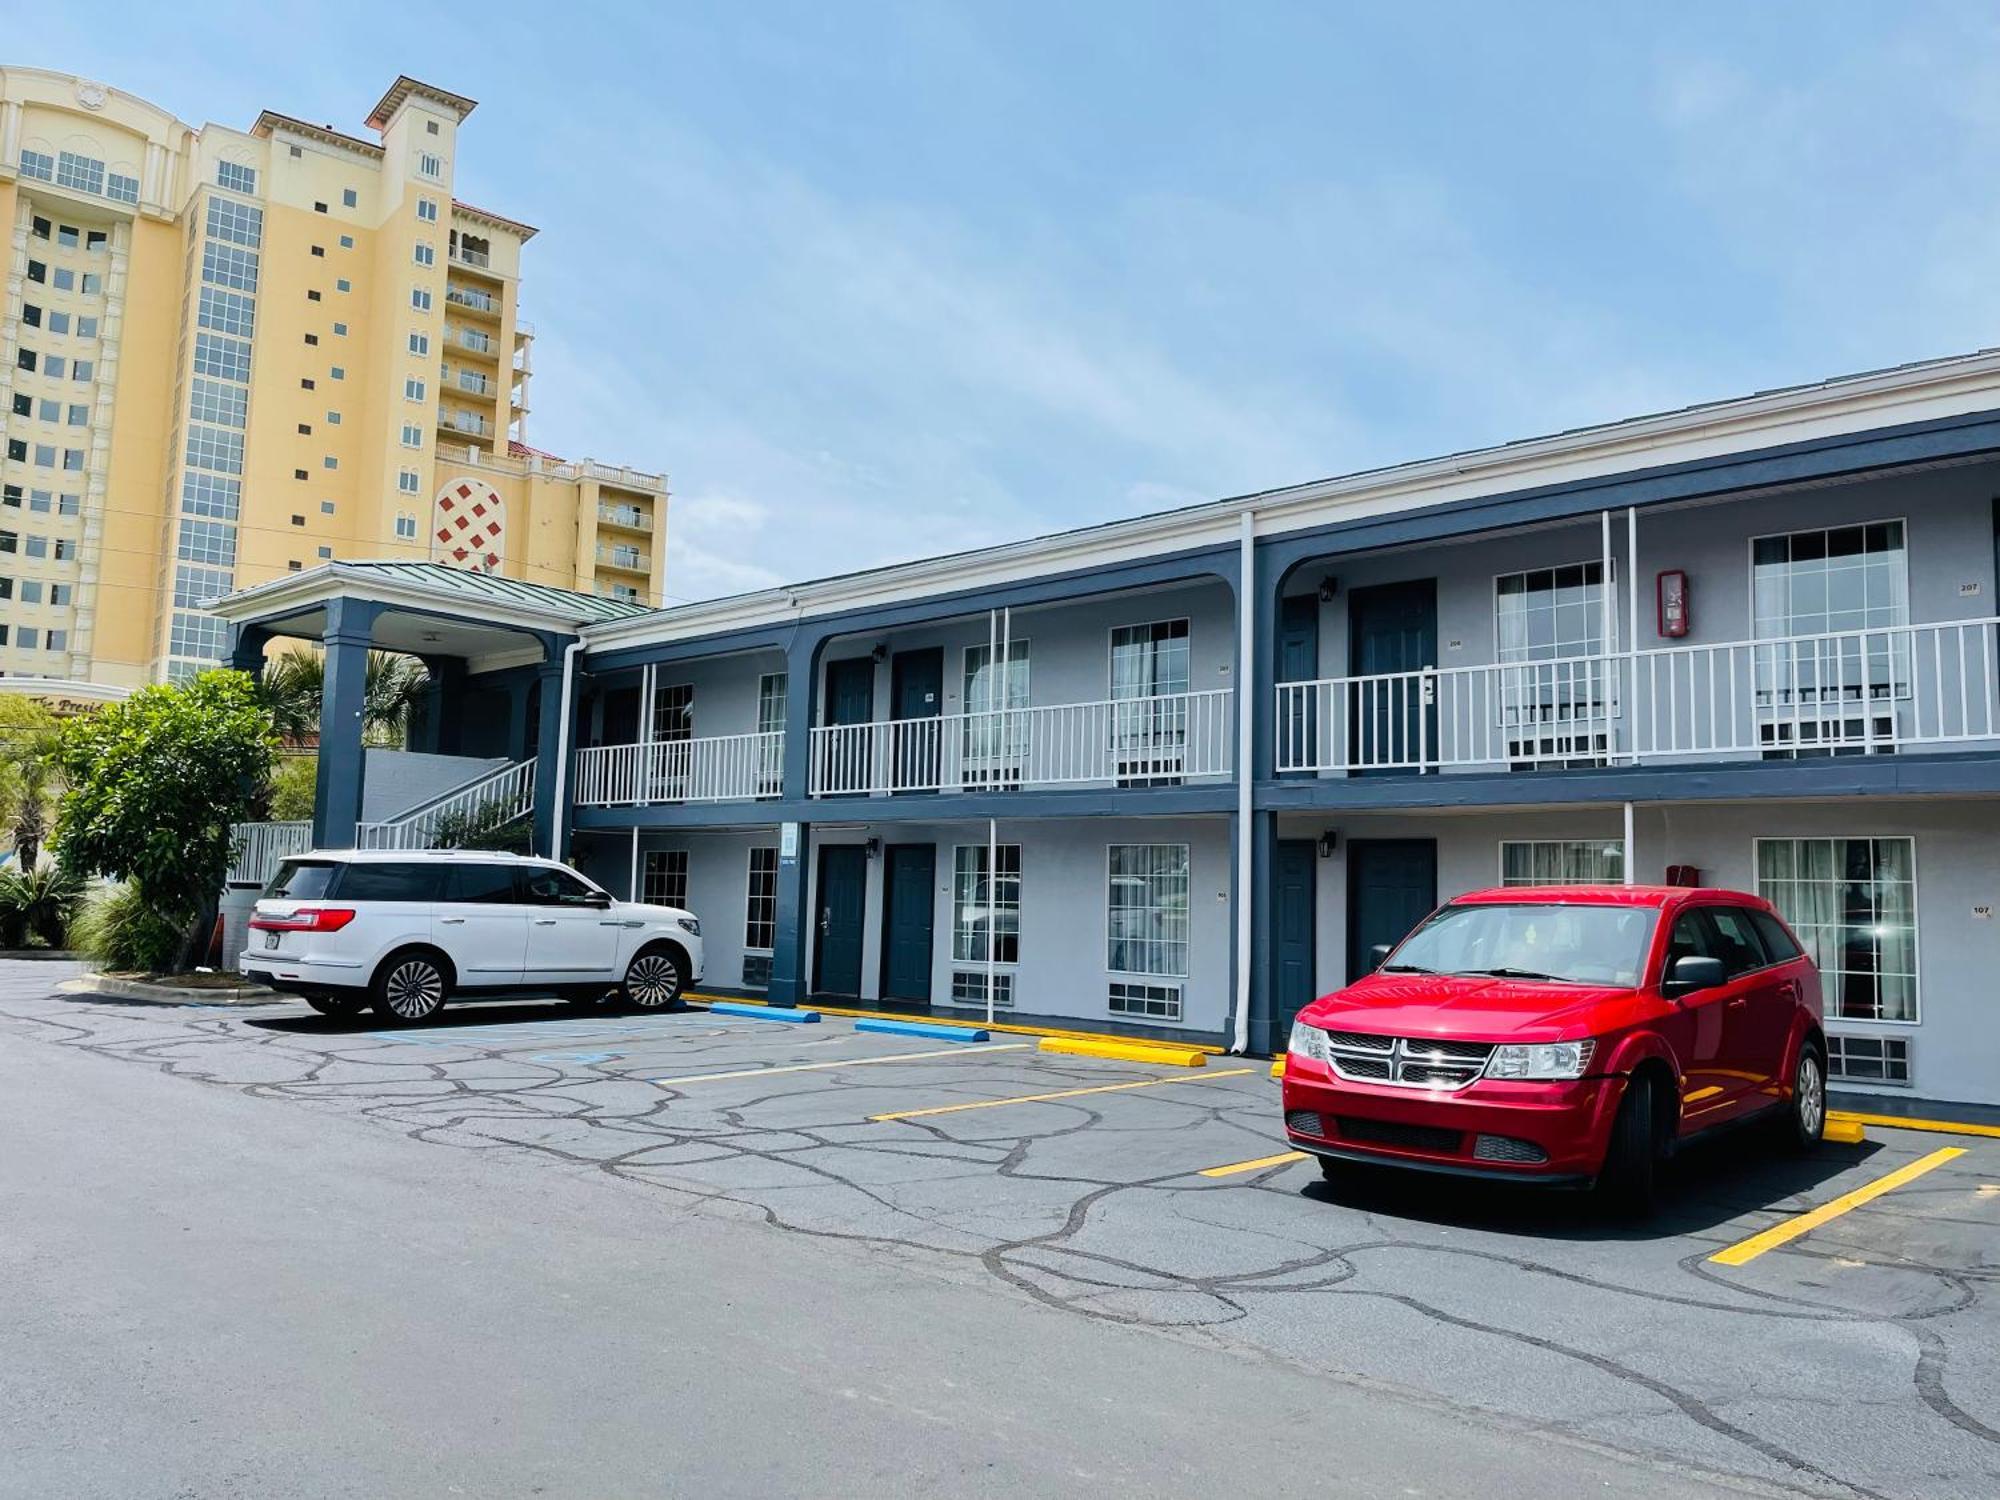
(1281, 1159)
(1902, 1122)
(1745, 1251)
(1102, 1088)
(850, 1062)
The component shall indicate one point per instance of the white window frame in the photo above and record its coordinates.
(750, 897)
(659, 893)
(1564, 844)
(1833, 1018)
(1187, 942)
(958, 930)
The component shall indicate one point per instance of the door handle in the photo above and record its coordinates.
(545, 921)
(823, 923)
(452, 921)
(1739, 1002)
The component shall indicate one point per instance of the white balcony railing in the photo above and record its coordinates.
(1116, 742)
(465, 296)
(260, 847)
(629, 516)
(493, 800)
(1854, 692)
(725, 768)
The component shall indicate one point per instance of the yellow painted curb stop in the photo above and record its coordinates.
(1278, 1068)
(1160, 1053)
(1843, 1132)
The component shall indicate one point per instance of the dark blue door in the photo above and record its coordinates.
(1293, 977)
(850, 691)
(916, 696)
(1391, 886)
(907, 906)
(1391, 629)
(847, 763)
(842, 905)
(1298, 661)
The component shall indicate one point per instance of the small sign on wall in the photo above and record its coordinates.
(788, 841)
(1982, 913)
(1968, 591)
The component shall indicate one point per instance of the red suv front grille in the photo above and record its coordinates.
(1412, 1062)
(1431, 1138)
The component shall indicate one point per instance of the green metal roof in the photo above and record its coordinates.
(584, 608)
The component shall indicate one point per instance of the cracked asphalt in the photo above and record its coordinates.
(1048, 1290)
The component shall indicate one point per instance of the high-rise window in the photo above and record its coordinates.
(413, 435)
(406, 526)
(407, 481)
(420, 299)
(420, 343)
(423, 254)
(226, 312)
(413, 389)
(236, 177)
(427, 210)
(83, 173)
(239, 223)
(226, 265)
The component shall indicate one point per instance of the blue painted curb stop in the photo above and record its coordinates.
(762, 1012)
(920, 1028)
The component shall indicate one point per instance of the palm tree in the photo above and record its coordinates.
(294, 686)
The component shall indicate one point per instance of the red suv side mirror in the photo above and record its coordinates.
(1692, 972)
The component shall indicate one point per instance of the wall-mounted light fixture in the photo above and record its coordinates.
(874, 848)
(1328, 842)
(1329, 589)
(879, 654)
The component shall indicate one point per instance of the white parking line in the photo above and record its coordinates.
(851, 1062)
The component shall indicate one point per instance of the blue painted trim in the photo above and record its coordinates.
(763, 1012)
(1852, 454)
(946, 807)
(1191, 566)
(920, 1028)
(1973, 772)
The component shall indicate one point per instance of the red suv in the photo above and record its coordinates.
(1563, 1035)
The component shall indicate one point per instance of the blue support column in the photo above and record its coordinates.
(790, 944)
(549, 740)
(246, 648)
(337, 793)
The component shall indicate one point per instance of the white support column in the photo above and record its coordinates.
(1631, 852)
(1631, 635)
(1246, 721)
(632, 887)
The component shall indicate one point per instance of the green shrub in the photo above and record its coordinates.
(486, 827)
(293, 786)
(36, 905)
(119, 932)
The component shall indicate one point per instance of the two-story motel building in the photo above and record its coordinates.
(1177, 774)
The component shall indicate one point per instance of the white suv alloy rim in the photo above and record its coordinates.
(1812, 1095)
(414, 989)
(652, 980)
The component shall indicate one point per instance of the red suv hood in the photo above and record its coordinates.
(1472, 1009)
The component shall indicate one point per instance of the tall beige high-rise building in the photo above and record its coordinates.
(226, 354)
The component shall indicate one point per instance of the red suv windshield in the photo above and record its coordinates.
(1571, 944)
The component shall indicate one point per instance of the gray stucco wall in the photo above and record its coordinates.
(1063, 968)
(396, 780)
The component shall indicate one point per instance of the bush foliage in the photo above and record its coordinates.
(155, 783)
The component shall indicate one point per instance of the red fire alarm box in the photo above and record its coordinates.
(1674, 613)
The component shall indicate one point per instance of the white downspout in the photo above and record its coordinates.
(563, 725)
(1246, 657)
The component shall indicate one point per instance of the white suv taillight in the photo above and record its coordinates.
(306, 919)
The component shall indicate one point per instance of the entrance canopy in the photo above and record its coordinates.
(494, 647)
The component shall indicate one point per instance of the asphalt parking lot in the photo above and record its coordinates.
(1862, 1357)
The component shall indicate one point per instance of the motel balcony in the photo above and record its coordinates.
(1929, 688)
(1167, 740)
(670, 772)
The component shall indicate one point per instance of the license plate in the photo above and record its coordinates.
(271, 939)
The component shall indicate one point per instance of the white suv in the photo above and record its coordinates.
(407, 930)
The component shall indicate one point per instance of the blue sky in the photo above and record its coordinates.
(874, 281)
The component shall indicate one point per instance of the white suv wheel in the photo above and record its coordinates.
(653, 981)
(413, 989)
